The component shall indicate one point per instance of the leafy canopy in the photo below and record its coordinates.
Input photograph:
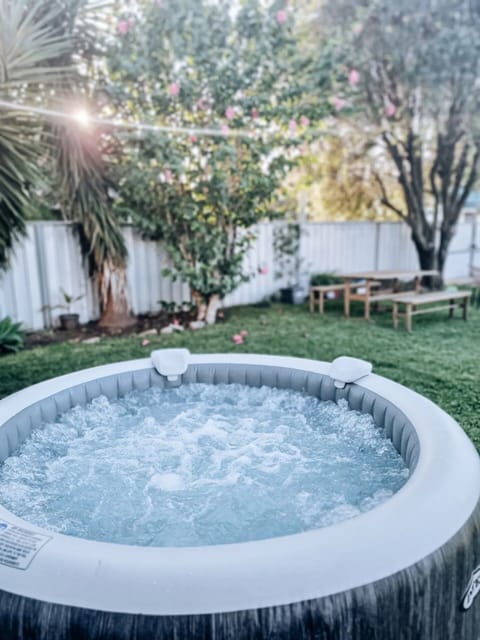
(410, 74)
(198, 65)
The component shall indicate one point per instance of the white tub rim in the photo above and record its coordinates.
(433, 505)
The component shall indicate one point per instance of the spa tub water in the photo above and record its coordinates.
(201, 465)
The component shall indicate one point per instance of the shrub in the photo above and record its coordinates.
(11, 336)
(318, 279)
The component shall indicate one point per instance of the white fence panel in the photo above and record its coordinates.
(395, 249)
(20, 287)
(147, 286)
(49, 260)
(338, 247)
(62, 269)
(461, 242)
(259, 263)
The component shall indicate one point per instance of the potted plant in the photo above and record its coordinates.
(68, 320)
(286, 246)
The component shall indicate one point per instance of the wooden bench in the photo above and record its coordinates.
(370, 277)
(472, 282)
(322, 289)
(454, 299)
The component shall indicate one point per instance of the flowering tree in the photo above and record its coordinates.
(411, 78)
(222, 81)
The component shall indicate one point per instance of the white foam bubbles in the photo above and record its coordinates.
(201, 464)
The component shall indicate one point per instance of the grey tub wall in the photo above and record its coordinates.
(418, 603)
(397, 427)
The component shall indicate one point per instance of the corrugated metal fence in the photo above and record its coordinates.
(49, 260)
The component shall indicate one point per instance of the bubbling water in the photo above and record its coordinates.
(201, 465)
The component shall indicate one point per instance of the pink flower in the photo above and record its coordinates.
(244, 333)
(292, 125)
(304, 121)
(237, 338)
(193, 138)
(122, 27)
(145, 343)
(281, 16)
(202, 104)
(225, 129)
(174, 89)
(131, 22)
(353, 77)
(390, 110)
(176, 322)
(255, 112)
(263, 271)
(339, 104)
(230, 113)
(168, 176)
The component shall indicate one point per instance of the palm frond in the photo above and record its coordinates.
(29, 48)
(84, 190)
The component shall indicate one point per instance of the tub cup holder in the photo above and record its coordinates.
(345, 370)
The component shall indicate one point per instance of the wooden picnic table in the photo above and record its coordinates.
(380, 295)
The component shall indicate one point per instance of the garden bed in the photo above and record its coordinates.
(144, 323)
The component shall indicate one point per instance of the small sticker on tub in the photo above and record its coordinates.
(472, 590)
(18, 546)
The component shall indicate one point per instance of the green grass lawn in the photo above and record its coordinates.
(441, 359)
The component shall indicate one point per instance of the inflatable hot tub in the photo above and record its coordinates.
(409, 568)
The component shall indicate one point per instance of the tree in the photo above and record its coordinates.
(201, 207)
(83, 154)
(28, 58)
(333, 179)
(410, 73)
(190, 65)
(45, 43)
(85, 188)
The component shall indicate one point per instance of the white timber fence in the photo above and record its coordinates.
(49, 260)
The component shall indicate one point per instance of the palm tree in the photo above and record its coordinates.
(38, 41)
(27, 55)
(85, 187)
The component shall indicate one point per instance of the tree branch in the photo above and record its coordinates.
(385, 200)
(473, 175)
(435, 192)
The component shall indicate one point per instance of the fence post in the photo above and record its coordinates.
(473, 243)
(42, 275)
(377, 246)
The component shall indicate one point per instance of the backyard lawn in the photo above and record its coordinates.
(440, 359)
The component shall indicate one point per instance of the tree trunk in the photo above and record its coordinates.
(200, 304)
(213, 306)
(446, 234)
(116, 310)
(206, 308)
(428, 259)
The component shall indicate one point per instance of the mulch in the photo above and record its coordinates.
(144, 322)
